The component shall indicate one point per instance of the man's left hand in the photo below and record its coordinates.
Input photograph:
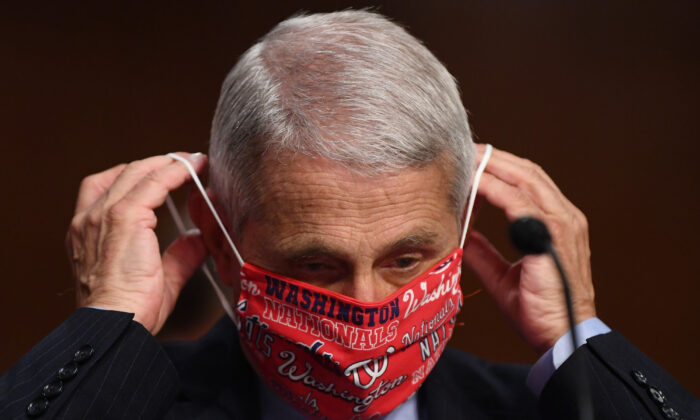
(529, 292)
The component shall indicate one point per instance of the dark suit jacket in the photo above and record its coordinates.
(128, 374)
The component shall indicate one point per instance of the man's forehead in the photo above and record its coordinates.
(307, 177)
(317, 206)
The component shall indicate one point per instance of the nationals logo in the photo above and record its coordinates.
(377, 369)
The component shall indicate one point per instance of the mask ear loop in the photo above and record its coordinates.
(181, 228)
(472, 194)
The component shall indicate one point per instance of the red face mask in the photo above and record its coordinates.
(332, 356)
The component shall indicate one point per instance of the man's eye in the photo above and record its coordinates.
(310, 267)
(405, 262)
(314, 266)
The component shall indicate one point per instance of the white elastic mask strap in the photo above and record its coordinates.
(201, 189)
(475, 188)
(181, 228)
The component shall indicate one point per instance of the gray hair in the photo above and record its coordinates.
(351, 87)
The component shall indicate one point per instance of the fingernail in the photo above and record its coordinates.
(194, 157)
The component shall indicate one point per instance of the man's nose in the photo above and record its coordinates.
(366, 285)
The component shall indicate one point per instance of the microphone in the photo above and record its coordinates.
(531, 237)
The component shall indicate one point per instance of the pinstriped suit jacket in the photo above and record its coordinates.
(133, 376)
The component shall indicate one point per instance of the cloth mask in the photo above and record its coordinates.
(334, 357)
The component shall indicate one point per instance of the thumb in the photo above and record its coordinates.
(485, 260)
(182, 258)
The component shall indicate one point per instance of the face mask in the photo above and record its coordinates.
(332, 356)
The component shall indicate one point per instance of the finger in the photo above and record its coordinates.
(485, 260)
(92, 187)
(513, 159)
(151, 190)
(481, 148)
(181, 259)
(558, 209)
(89, 221)
(132, 175)
(513, 201)
(528, 176)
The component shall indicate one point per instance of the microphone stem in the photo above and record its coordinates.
(567, 295)
(585, 410)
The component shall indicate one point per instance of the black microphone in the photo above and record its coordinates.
(531, 237)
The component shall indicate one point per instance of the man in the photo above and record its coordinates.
(341, 161)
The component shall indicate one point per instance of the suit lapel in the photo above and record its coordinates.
(440, 397)
(215, 376)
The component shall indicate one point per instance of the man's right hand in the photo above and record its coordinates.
(113, 247)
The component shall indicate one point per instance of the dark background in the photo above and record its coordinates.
(604, 95)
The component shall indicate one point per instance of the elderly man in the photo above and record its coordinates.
(340, 162)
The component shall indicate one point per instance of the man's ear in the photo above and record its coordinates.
(226, 263)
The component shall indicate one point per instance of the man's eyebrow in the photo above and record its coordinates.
(313, 248)
(415, 239)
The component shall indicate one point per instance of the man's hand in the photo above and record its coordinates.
(529, 292)
(113, 247)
